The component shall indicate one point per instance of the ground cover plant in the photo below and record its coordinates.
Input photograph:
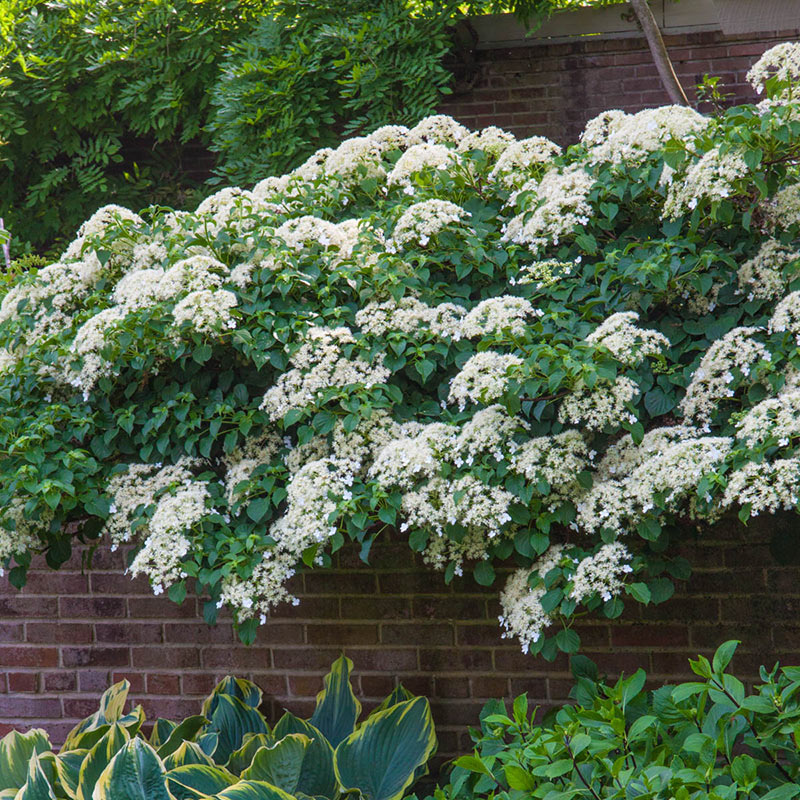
(513, 354)
(711, 739)
(228, 750)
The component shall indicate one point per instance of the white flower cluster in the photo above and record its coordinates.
(560, 205)
(522, 160)
(665, 465)
(19, 532)
(421, 222)
(767, 486)
(604, 404)
(774, 418)
(783, 209)
(712, 380)
(178, 502)
(786, 316)
(625, 340)
(437, 129)
(499, 315)
(409, 315)
(493, 141)
(523, 615)
(256, 451)
(556, 460)
(601, 573)
(206, 311)
(312, 500)
(619, 138)
(543, 274)
(483, 378)
(780, 63)
(320, 364)
(97, 227)
(711, 179)
(762, 277)
(417, 159)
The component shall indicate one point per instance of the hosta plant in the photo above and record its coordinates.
(228, 751)
(558, 361)
(709, 739)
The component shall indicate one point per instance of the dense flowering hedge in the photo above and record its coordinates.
(509, 352)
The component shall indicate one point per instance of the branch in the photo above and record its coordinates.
(655, 42)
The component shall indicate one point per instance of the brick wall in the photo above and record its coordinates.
(67, 635)
(553, 89)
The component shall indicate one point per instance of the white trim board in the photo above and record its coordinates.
(674, 17)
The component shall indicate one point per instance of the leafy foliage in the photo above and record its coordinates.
(705, 739)
(228, 752)
(240, 390)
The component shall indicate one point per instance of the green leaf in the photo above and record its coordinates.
(337, 706)
(484, 573)
(280, 764)
(187, 753)
(68, 767)
(518, 778)
(242, 758)
(16, 750)
(253, 790)
(193, 781)
(381, 758)
(473, 764)
(318, 777)
(231, 720)
(38, 784)
(568, 641)
(112, 704)
(723, 656)
(187, 730)
(98, 759)
(135, 773)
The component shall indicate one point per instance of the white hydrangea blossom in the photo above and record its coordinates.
(483, 378)
(89, 341)
(520, 158)
(492, 141)
(417, 158)
(561, 204)
(782, 63)
(556, 459)
(390, 137)
(206, 311)
(312, 500)
(761, 277)
(601, 573)
(711, 179)
(619, 138)
(96, 227)
(409, 315)
(776, 417)
(543, 274)
(355, 160)
(318, 365)
(499, 315)
(604, 404)
(523, 615)
(626, 341)
(422, 221)
(245, 459)
(711, 382)
(18, 532)
(413, 456)
(769, 486)
(438, 129)
(786, 316)
(783, 209)
(491, 431)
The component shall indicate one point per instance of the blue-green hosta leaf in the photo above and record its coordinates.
(242, 758)
(184, 732)
(68, 767)
(281, 764)
(231, 720)
(39, 781)
(98, 759)
(112, 704)
(337, 706)
(16, 750)
(187, 753)
(318, 777)
(253, 790)
(380, 758)
(399, 694)
(135, 773)
(193, 781)
(162, 728)
(244, 690)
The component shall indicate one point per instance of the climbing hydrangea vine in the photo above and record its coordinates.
(511, 354)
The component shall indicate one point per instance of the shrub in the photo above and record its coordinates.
(513, 354)
(706, 739)
(228, 750)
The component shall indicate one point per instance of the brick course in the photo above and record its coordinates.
(68, 635)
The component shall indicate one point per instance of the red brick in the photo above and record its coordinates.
(22, 681)
(60, 681)
(161, 683)
(165, 657)
(91, 607)
(95, 656)
(60, 632)
(128, 633)
(24, 656)
(342, 634)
